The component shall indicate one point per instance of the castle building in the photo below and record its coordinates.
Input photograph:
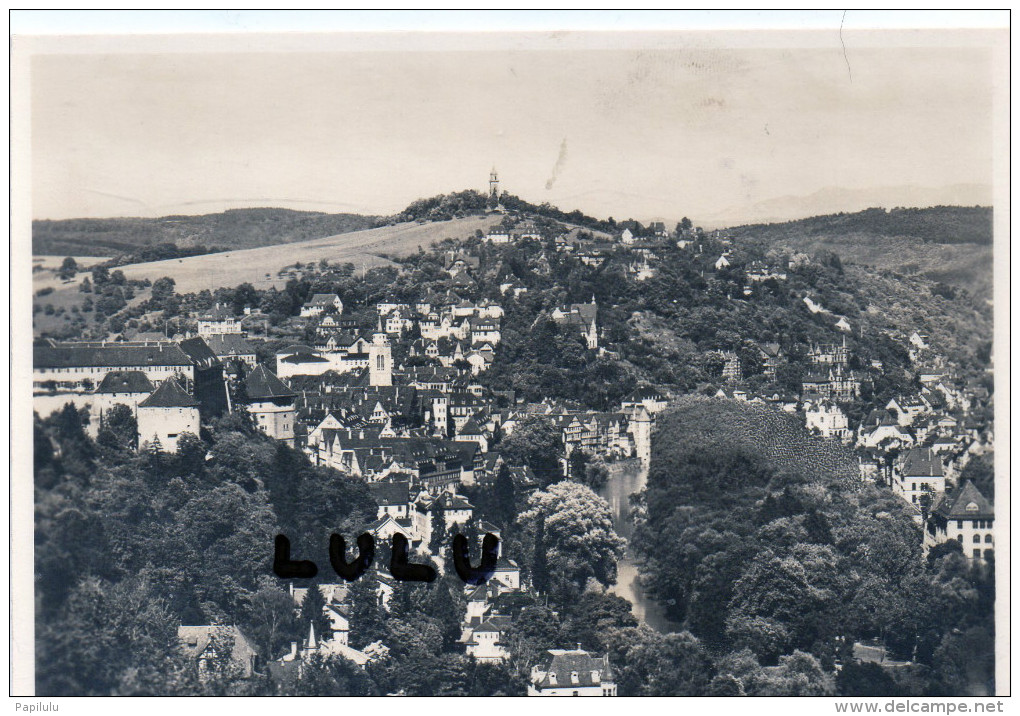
(271, 404)
(209, 384)
(834, 354)
(128, 387)
(82, 365)
(167, 414)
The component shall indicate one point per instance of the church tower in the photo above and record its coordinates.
(380, 360)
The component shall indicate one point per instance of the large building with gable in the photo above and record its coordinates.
(166, 415)
(964, 515)
(82, 366)
(572, 672)
(271, 404)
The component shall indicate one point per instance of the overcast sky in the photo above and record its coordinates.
(622, 133)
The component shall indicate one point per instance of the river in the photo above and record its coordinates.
(626, 479)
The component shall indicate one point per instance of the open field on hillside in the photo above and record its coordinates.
(45, 268)
(53, 262)
(260, 266)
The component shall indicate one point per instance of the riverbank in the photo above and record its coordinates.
(627, 477)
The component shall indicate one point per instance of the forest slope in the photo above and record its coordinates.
(232, 229)
(756, 535)
(947, 244)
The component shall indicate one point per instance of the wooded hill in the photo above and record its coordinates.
(951, 245)
(232, 229)
(759, 539)
(937, 224)
(253, 228)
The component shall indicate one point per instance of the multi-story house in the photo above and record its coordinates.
(218, 319)
(731, 367)
(484, 330)
(881, 430)
(834, 382)
(393, 498)
(319, 303)
(232, 346)
(583, 317)
(907, 409)
(572, 672)
(486, 639)
(964, 515)
(455, 508)
(652, 399)
(918, 475)
(827, 419)
(597, 433)
(772, 358)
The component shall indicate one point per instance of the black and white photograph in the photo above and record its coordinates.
(671, 362)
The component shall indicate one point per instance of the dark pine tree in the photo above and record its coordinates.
(119, 429)
(313, 612)
(576, 465)
(540, 564)
(368, 618)
(439, 539)
(506, 497)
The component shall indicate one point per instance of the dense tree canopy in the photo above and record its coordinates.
(186, 539)
(577, 537)
(763, 543)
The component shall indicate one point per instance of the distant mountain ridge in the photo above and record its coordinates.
(934, 224)
(833, 200)
(236, 229)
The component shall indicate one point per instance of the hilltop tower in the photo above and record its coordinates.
(380, 360)
(493, 185)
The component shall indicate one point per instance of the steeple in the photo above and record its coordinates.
(311, 644)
